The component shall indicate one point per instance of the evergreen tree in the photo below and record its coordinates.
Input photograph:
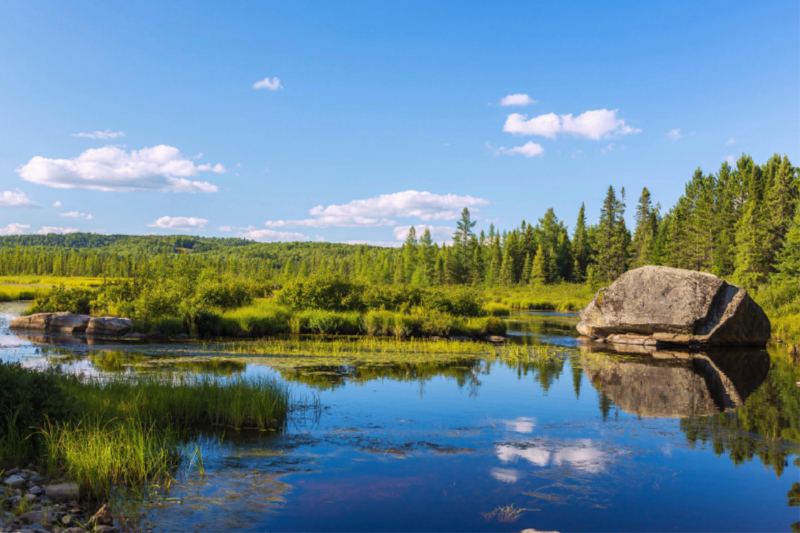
(781, 199)
(645, 232)
(461, 244)
(538, 274)
(526, 270)
(789, 258)
(613, 238)
(580, 247)
(507, 269)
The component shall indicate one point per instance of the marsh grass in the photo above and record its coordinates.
(12, 293)
(557, 297)
(123, 435)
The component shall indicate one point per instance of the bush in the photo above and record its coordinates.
(30, 397)
(76, 300)
(333, 323)
(379, 322)
(330, 293)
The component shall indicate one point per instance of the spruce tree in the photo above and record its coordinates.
(789, 258)
(507, 269)
(580, 247)
(461, 244)
(538, 274)
(645, 231)
(781, 199)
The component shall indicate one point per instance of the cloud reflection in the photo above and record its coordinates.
(582, 455)
(506, 475)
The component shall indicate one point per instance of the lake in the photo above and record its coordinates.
(554, 435)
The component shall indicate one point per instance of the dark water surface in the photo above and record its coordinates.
(584, 441)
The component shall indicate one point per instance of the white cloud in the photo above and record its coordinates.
(226, 228)
(266, 83)
(594, 125)
(108, 134)
(506, 475)
(517, 99)
(160, 168)
(730, 141)
(76, 214)
(14, 229)
(438, 233)
(674, 134)
(375, 211)
(57, 204)
(268, 235)
(180, 223)
(529, 149)
(53, 229)
(731, 160)
(16, 199)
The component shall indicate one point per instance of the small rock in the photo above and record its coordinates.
(31, 497)
(62, 492)
(36, 490)
(15, 481)
(35, 517)
(102, 517)
(105, 529)
(37, 479)
(12, 471)
(494, 338)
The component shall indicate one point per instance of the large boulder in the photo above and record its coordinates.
(669, 305)
(108, 325)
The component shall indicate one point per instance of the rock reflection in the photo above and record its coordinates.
(675, 384)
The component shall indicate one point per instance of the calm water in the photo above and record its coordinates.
(586, 442)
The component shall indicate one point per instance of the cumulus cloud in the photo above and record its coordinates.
(674, 134)
(160, 168)
(731, 160)
(53, 229)
(180, 223)
(438, 233)
(108, 134)
(595, 125)
(57, 204)
(730, 141)
(376, 211)
(268, 235)
(517, 99)
(273, 85)
(529, 149)
(14, 229)
(77, 214)
(16, 199)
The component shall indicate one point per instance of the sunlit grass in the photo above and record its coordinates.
(557, 297)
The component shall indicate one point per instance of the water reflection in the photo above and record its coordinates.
(580, 455)
(675, 384)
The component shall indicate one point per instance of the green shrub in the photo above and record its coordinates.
(77, 300)
(379, 322)
(333, 323)
(330, 293)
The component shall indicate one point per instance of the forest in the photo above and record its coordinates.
(741, 223)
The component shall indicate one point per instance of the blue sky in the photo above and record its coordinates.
(374, 105)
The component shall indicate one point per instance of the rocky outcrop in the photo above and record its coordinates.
(72, 323)
(663, 305)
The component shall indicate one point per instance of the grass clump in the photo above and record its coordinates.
(557, 297)
(118, 434)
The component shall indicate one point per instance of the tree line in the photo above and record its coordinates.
(741, 223)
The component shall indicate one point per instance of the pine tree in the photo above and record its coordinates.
(526, 270)
(751, 239)
(507, 269)
(645, 231)
(789, 258)
(497, 262)
(410, 254)
(461, 244)
(613, 238)
(580, 247)
(538, 274)
(781, 199)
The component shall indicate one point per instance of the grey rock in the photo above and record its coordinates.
(105, 529)
(37, 490)
(15, 481)
(62, 492)
(494, 338)
(108, 325)
(11, 471)
(674, 306)
(31, 497)
(135, 336)
(36, 517)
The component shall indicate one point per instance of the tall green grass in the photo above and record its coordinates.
(114, 433)
(558, 297)
(12, 293)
